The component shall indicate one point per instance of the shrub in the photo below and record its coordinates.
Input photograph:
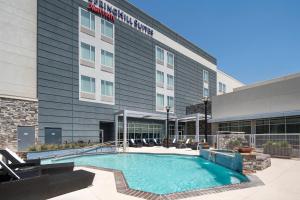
(235, 143)
(278, 144)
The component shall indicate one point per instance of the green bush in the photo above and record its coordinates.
(278, 144)
(236, 143)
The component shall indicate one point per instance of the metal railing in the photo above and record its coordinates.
(279, 144)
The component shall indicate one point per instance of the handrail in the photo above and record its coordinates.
(88, 150)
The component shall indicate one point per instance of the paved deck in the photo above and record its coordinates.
(282, 182)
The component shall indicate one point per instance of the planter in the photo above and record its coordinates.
(245, 149)
(204, 146)
(278, 151)
(193, 145)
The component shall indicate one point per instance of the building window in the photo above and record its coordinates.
(262, 126)
(277, 125)
(159, 78)
(171, 103)
(107, 88)
(160, 101)
(107, 58)
(170, 59)
(107, 29)
(220, 87)
(293, 124)
(205, 76)
(87, 20)
(224, 88)
(205, 92)
(170, 82)
(160, 55)
(87, 52)
(87, 84)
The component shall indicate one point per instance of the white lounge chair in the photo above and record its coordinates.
(145, 143)
(13, 158)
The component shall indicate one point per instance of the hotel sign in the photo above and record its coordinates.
(110, 13)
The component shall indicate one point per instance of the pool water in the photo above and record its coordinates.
(163, 174)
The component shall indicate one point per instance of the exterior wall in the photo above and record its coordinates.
(277, 96)
(18, 48)
(14, 113)
(230, 82)
(135, 74)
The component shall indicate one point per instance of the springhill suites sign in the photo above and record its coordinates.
(110, 12)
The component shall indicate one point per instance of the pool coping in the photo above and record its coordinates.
(123, 187)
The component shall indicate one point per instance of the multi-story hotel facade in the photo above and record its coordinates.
(82, 70)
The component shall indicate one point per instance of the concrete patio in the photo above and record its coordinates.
(281, 182)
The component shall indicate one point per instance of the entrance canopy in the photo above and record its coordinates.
(155, 116)
(145, 115)
(193, 117)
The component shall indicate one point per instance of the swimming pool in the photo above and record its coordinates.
(163, 174)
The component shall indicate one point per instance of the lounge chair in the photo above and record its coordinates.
(32, 183)
(184, 144)
(132, 143)
(15, 159)
(17, 162)
(147, 144)
(156, 142)
(172, 143)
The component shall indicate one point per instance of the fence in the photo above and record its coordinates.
(281, 145)
(211, 139)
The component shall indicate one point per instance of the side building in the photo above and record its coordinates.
(18, 74)
(269, 107)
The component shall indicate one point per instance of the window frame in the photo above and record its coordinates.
(204, 75)
(224, 88)
(105, 53)
(163, 77)
(105, 84)
(173, 58)
(173, 81)
(103, 25)
(220, 87)
(204, 88)
(163, 102)
(92, 28)
(90, 52)
(90, 82)
(168, 103)
(163, 54)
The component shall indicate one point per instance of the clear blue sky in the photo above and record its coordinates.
(253, 40)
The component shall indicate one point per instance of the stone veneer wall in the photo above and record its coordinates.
(14, 113)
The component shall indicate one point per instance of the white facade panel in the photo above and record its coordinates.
(274, 97)
(18, 49)
(97, 71)
(228, 81)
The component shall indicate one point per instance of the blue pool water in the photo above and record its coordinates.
(163, 174)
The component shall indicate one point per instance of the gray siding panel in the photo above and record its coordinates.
(137, 13)
(58, 70)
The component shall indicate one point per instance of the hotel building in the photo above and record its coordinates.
(83, 70)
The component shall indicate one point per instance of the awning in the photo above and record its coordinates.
(146, 115)
(193, 117)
